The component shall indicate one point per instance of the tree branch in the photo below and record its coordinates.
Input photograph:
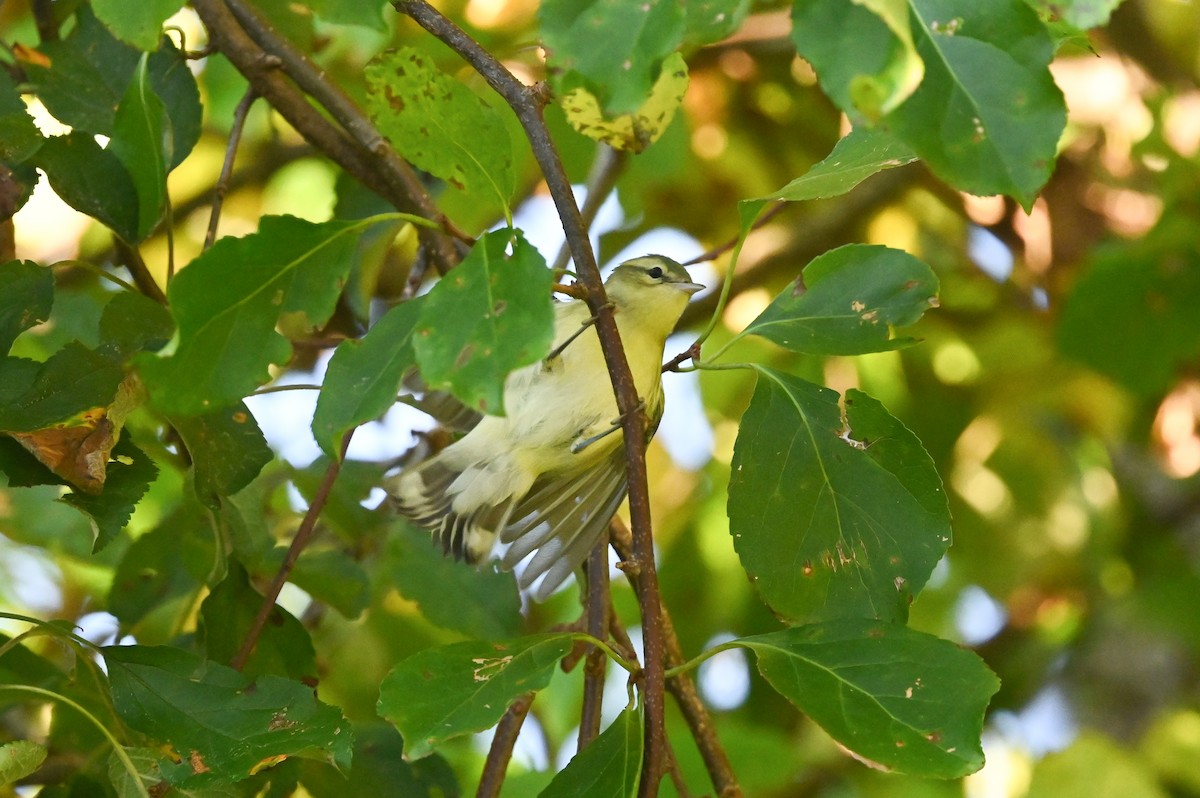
(303, 537)
(597, 608)
(262, 69)
(222, 188)
(683, 688)
(501, 749)
(527, 103)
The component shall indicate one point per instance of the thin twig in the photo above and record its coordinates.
(303, 537)
(527, 103)
(606, 168)
(222, 187)
(393, 169)
(721, 249)
(501, 749)
(597, 608)
(683, 688)
(142, 278)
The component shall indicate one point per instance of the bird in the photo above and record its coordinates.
(548, 476)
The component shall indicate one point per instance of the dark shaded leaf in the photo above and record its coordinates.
(833, 516)
(440, 693)
(223, 725)
(19, 137)
(167, 564)
(26, 295)
(227, 450)
(128, 477)
(140, 140)
(504, 320)
(903, 700)
(363, 377)
(380, 770)
(284, 647)
(481, 603)
(91, 180)
(710, 21)
(131, 323)
(139, 23)
(611, 766)
(847, 302)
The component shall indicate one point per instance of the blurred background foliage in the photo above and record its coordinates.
(1057, 389)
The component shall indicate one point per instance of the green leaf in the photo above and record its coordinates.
(380, 770)
(439, 124)
(1154, 280)
(1079, 14)
(141, 140)
(710, 21)
(901, 699)
(128, 477)
(440, 693)
(504, 319)
(367, 13)
(223, 725)
(163, 566)
(149, 775)
(334, 578)
(859, 154)
(227, 450)
(132, 323)
(637, 130)
(862, 51)
(284, 647)
(988, 116)
(73, 380)
(19, 137)
(610, 766)
(91, 180)
(847, 302)
(363, 377)
(91, 70)
(835, 513)
(26, 296)
(228, 301)
(612, 48)
(480, 603)
(18, 759)
(138, 22)
(1097, 767)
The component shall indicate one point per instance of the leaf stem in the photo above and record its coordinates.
(118, 749)
(222, 187)
(98, 271)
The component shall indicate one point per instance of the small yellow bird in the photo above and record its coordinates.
(549, 475)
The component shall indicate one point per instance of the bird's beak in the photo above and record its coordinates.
(689, 288)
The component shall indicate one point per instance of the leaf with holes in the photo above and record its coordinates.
(499, 298)
(439, 124)
(440, 693)
(834, 514)
(848, 302)
(901, 700)
(637, 130)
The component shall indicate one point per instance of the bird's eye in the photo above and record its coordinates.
(655, 272)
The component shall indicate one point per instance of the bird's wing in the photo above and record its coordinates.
(442, 406)
(561, 518)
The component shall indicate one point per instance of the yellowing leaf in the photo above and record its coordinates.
(635, 131)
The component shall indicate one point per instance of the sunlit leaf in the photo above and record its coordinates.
(1079, 14)
(613, 49)
(223, 725)
(18, 759)
(859, 154)
(902, 700)
(440, 693)
(227, 302)
(610, 766)
(987, 116)
(1096, 766)
(368, 13)
(141, 139)
(363, 377)
(862, 51)
(848, 302)
(712, 20)
(835, 512)
(439, 124)
(499, 297)
(637, 130)
(147, 772)
(138, 22)
(26, 296)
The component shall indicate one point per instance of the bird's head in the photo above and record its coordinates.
(652, 287)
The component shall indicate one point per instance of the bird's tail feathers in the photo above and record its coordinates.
(422, 495)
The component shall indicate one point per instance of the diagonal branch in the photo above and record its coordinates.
(262, 67)
(527, 103)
